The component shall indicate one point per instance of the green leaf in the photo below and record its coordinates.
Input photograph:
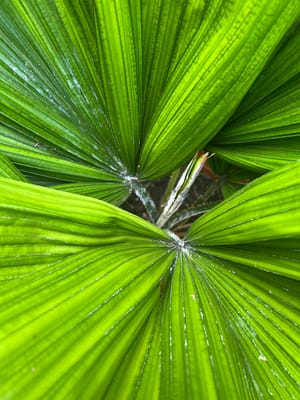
(167, 32)
(8, 170)
(96, 302)
(261, 156)
(67, 263)
(249, 329)
(119, 40)
(267, 208)
(216, 70)
(280, 257)
(51, 212)
(53, 121)
(121, 86)
(50, 86)
(264, 132)
(35, 160)
(221, 330)
(112, 192)
(39, 225)
(89, 306)
(251, 265)
(228, 177)
(49, 170)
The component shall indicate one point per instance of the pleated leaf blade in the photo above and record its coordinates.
(263, 133)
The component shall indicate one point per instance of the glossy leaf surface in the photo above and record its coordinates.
(120, 86)
(264, 132)
(267, 208)
(98, 302)
(8, 170)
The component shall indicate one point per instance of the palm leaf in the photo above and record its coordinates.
(96, 302)
(264, 132)
(51, 170)
(8, 170)
(227, 176)
(53, 123)
(120, 56)
(123, 309)
(267, 208)
(77, 303)
(210, 77)
(159, 79)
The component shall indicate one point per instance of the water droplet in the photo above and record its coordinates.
(261, 357)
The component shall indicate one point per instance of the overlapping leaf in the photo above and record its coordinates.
(84, 313)
(119, 86)
(267, 208)
(51, 170)
(264, 133)
(228, 177)
(95, 302)
(212, 76)
(63, 259)
(8, 170)
(52, 107)
(106, 305)
(118, 25)
(237, 326)
(224, 332)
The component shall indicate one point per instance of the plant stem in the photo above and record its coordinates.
(173, 178)
(186, 214)
(182, 188)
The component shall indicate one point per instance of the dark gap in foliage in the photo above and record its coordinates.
(198, 195)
